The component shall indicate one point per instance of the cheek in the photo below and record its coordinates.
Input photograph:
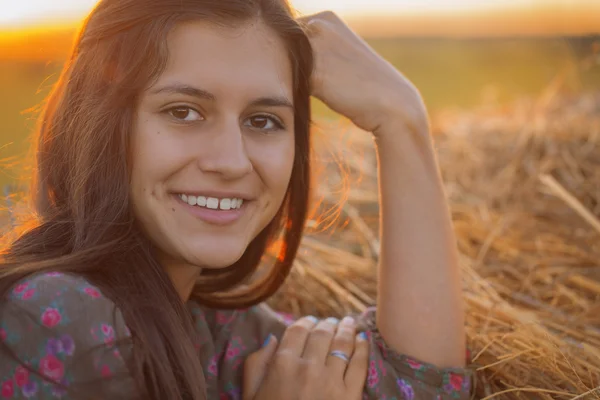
(277, 169)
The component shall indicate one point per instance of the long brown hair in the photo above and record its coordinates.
(85, 224)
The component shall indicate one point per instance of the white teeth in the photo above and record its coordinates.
(225, 204)
(212, 203)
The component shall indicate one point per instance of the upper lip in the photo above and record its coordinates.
(217, 194)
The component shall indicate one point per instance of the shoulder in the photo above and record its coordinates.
(56, 300)
(61, 326)
(53, 286)
(53, 305)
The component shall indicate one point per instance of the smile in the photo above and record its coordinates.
(212, 203)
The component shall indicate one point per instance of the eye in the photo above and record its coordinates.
(264, 123)
(184, 114)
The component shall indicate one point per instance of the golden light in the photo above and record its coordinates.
(24, 12)
(401, 6)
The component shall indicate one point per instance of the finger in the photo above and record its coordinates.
(255, 367)
(343, 342)
(319, 340)
(294, 337)
(356, 372)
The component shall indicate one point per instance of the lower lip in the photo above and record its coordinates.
(213, 217)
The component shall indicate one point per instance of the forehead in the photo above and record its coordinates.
(246, 60)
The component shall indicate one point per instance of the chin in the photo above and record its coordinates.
(214, 258)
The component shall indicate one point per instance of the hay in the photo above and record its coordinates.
(524, 188)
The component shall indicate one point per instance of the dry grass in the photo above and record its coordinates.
(524, 188)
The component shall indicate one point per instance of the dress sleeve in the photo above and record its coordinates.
(391, 376)
(396, 376)
(63, 333)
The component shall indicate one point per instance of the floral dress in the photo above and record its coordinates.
(65, 328)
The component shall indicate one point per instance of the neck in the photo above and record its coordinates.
(183, 276)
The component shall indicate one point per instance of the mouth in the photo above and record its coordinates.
(212, 203)
(218, 211)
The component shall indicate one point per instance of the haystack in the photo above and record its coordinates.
(524, 188)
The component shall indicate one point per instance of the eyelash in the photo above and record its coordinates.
(278, 124)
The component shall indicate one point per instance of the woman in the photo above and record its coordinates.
(172, 152)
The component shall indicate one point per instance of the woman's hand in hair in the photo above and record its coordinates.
(355, 81)
(301, 365)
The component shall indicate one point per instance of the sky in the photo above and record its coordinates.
(25, 12)
(449, 18)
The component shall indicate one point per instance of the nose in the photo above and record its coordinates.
(225, 153)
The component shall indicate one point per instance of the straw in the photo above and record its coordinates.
(523, 184)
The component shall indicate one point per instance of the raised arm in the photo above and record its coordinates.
(420, 311)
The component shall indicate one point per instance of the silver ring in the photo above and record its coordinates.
(340, 355)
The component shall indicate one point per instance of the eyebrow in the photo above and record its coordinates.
(178, 88)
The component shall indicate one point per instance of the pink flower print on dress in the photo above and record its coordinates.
(212, 366)
(414, 364)
(231, 353)
(51, 317)
(105, 371)
(51, 367)
(373, 377)
(28, 294)
(8, 389)
(108, 332)
(223, 318)
(90, 291)
(20, 288)
(456, 381)
(21, 376)
(3, 334)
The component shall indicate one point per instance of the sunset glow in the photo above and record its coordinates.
(422, 18)
(36, 11)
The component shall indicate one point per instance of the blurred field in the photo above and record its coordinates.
(451, 74)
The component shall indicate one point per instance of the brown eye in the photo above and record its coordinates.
(185, 114)
(264, 123)
(260, 122)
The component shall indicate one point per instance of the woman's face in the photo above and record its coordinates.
(213, 143)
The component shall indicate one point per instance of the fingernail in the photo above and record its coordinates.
(348, 321)
(312, 319)
(333, 321)
(362, 336)
(267, 340)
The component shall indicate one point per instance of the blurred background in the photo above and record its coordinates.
(513, 89)
(459, 53)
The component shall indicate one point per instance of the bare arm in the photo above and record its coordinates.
(420, 311)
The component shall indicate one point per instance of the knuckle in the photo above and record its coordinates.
(344, 342)
(320, 333)
(328, 14)
(297, 329)
(283, 360)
